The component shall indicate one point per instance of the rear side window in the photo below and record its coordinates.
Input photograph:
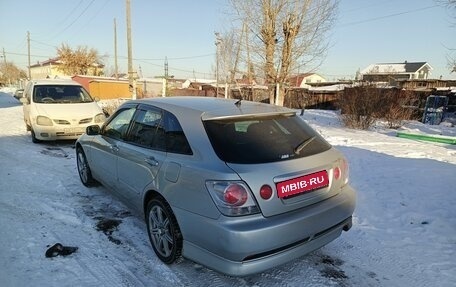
(159, 130)
(262, 140)
(147, 129)
(176, 141)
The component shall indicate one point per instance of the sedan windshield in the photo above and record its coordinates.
(53, 94)
(261, 140)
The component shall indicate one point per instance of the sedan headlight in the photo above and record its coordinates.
(43, 121)
(100, 118)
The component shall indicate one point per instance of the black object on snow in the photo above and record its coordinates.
(59, 249)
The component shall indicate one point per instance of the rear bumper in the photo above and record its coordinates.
(247, 245)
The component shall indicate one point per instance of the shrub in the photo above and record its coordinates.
(359, 106)
(362, 106)
(395, 109)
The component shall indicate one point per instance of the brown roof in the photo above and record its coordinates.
(297, 80)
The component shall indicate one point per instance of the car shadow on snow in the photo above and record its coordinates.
(8, 101)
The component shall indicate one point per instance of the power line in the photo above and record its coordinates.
(74, 21)
(181, 58)
(171, 68)
(95, 15)
(377, 3)
(22, 54)
(124, 57)
(69, 14)
(121, 57)
(386, 16)
(45, 44)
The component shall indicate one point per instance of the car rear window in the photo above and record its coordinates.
(262, 140)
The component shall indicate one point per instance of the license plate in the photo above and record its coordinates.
(74, 130)
(302, 184)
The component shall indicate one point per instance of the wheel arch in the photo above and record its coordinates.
(174, 227)
(78, 145)
(148, 196)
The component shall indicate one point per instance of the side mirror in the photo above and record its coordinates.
(19, 94)
(93, 130)
(24, 101)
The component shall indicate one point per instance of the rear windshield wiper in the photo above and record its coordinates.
(302, 145)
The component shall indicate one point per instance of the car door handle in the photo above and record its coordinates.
(114, 148)
(151, 161)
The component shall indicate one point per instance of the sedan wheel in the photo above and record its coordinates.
(164, 232)
(83, 168)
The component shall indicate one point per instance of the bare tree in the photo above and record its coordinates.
(451, 63)
(286, 35)
(450, 5)
(226, 56)
(10, 73)
(81, 61)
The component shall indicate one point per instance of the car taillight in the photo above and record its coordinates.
(235, 194)
(232, 198)
(265, 192)
(341, 171)
(337, 173)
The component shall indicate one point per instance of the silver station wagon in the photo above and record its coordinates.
(237, 186)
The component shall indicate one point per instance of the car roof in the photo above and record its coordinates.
(211, 108)
(55, 82)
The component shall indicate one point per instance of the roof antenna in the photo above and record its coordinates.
(238, 103)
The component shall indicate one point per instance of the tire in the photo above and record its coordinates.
(34, 139)
(83, 168)
(164, 232)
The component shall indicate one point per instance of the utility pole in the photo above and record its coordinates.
(218, 41)
(6, 67)
(165, 79)
(4, 57)
(28, 45)
(131, 77)
(116, 68)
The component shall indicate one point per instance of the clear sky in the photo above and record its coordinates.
(366, 32)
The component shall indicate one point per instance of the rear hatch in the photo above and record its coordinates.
(295, 183)
(279, 150)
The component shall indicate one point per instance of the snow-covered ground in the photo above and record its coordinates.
(404, 231)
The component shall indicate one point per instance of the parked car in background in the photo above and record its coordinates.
(237, 186)
(18, 94)
(58, 110)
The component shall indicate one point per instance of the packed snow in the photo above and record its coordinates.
(404, 231)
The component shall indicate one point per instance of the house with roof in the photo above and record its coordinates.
(393, 72)
(51, 69)
(305, 79)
